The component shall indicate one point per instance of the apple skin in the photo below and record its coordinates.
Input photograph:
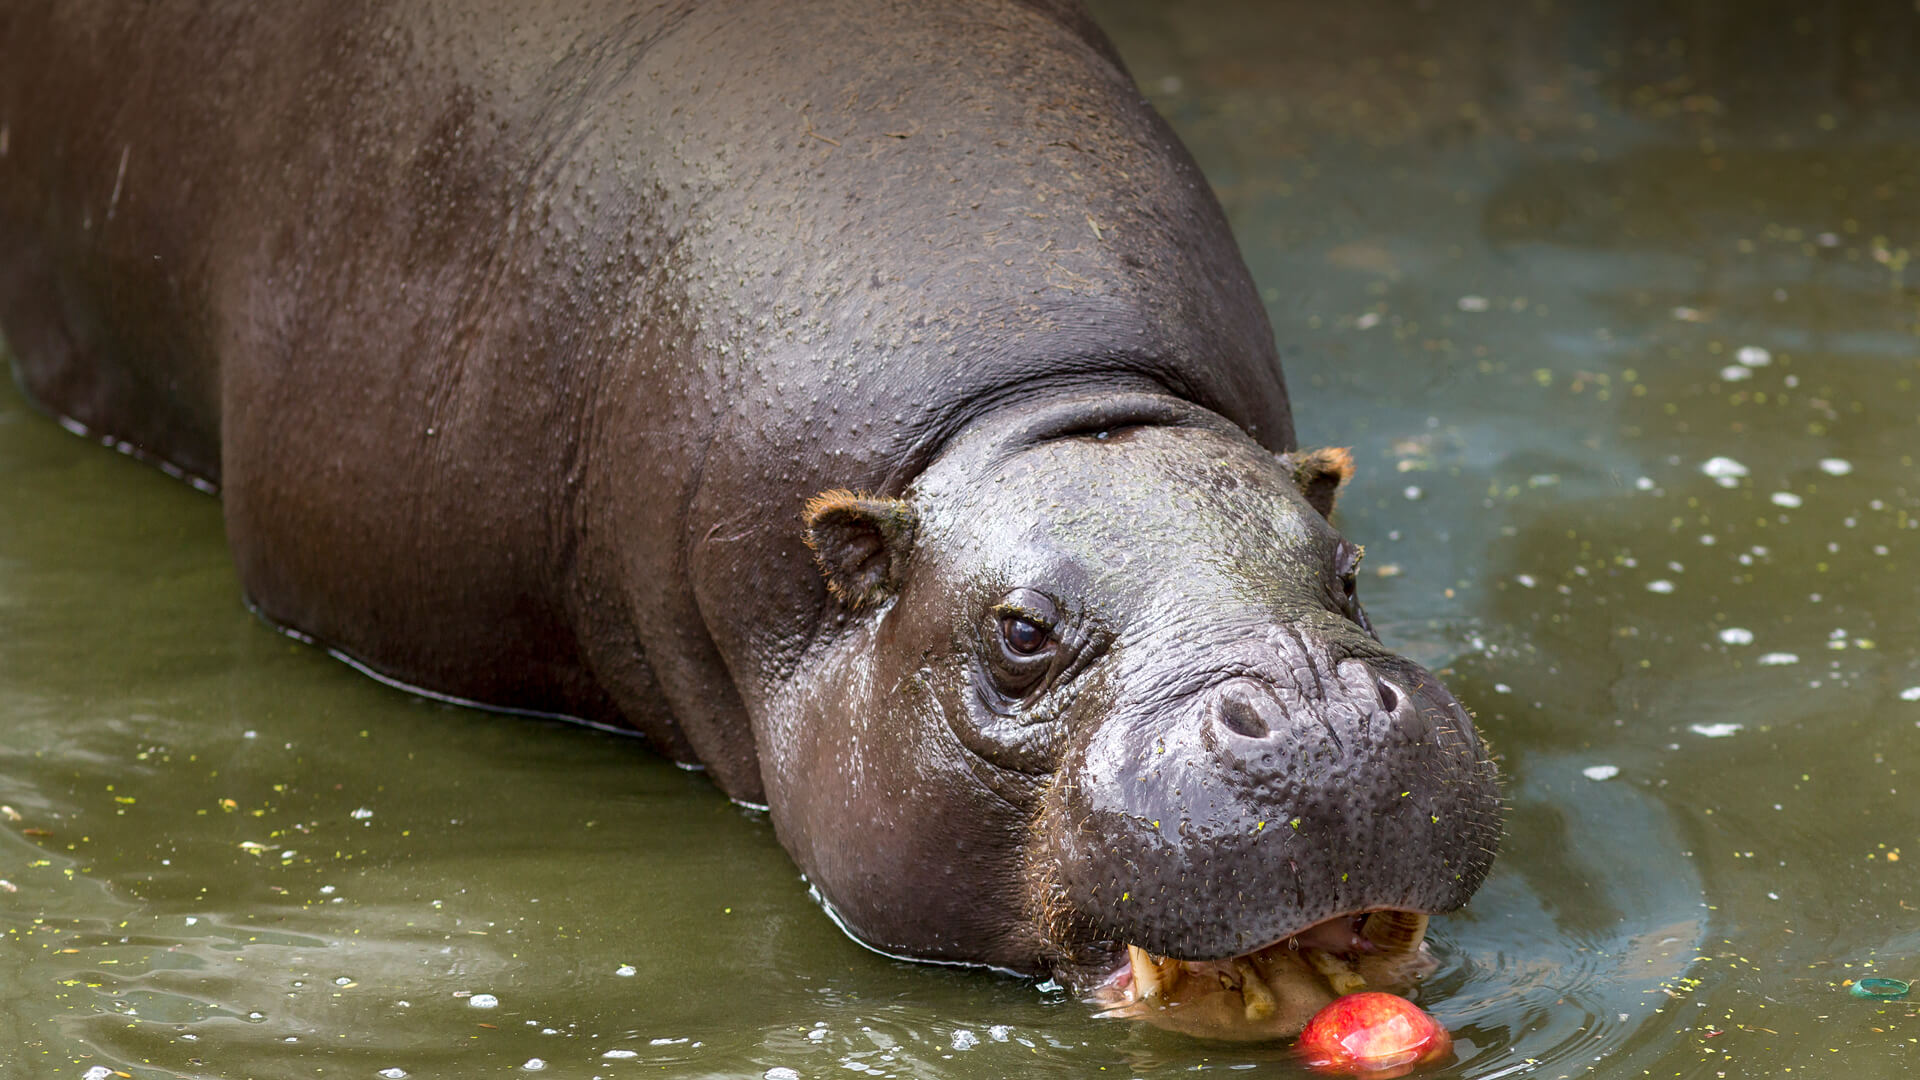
(1372, 1035)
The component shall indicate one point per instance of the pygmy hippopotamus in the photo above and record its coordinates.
(861, 399)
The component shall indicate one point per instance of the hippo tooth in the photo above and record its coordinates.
(1146, 974)
(1254, 990)
(1339, 974)
(1395, 931)
(1169, 971)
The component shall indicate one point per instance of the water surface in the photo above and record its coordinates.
(1612, 305)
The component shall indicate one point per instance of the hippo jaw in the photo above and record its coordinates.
(1103, 683)
(1271, 992)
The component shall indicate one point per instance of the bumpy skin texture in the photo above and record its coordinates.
(517, 343)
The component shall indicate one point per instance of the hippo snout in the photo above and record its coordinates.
(1287, 794)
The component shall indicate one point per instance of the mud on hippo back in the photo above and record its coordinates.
(863, 400)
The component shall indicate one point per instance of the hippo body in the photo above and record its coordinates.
(767, 378)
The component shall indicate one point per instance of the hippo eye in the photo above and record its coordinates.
(1022, 644)
(1023, 635)
(1348, 567)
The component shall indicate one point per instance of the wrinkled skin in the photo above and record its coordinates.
(755, 376)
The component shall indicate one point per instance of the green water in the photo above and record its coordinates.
(1527, 262)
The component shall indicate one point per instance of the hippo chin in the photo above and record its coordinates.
(864, 401)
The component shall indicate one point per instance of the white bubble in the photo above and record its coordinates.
(1660, 585)
(1473, 303)
(1368, 321)
(780, 1072)
(1775, 659)
(965, 1040)
(1785, 498)
(998, 1032)
(533, 1064)
(625, 971)
(1715, 731)
(1645, 483)
(1734, 373)
(361, 814)
(1753, 356)
(621, 1055)
(1724, 470)
(1526, 580)
(483, 1001)
(1737, 635)
(394, 1073)
(1600, 772)
(1834, 466)
(1911, 693)
(1412, 492)
(98, 1072)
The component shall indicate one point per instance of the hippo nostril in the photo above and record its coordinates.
(1241, 715)
(1389, 700)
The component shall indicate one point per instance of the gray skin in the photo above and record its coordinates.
(518, 344)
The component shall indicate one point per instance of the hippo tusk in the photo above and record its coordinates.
(1146, 975)
(1395, 931)
(1339, 974)
(1260, 1002)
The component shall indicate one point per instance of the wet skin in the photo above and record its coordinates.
(866, 403)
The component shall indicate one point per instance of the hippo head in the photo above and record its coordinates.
(1099, 679)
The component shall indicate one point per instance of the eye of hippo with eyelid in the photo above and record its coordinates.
(1346, 568)
(1032, 655)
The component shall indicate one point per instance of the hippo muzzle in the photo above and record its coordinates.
(1292, 790)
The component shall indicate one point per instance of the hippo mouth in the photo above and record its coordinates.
(1271, 992)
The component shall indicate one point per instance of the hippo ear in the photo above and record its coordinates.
(1319, 474)
(861, 543)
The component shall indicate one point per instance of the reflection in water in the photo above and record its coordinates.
(1613, 301)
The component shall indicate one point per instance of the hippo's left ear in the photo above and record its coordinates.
(1320, 474)
(861, 543)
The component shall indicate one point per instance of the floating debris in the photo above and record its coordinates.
(1881, 989)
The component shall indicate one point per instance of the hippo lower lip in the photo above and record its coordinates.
(1271, 991)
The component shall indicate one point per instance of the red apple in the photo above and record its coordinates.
(1372, 1035)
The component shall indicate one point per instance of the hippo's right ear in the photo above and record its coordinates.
(1319, 474)
(861, 543)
